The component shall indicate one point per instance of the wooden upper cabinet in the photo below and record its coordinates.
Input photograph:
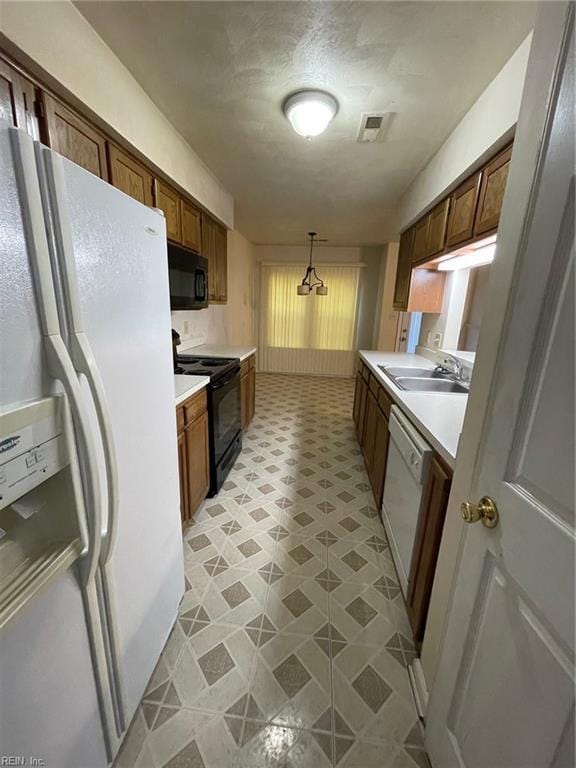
(420, 249)
(437, 219)
(128, 175)
(168, 200)
(403, 271)
(74, 138)
(209, 253)
(191, 227)
(492, 188)
(221, 242)
(426, 290)
(12, 108)
(463, 202)
(215, 249)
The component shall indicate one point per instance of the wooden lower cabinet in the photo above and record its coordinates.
(360, 408)
(427, 545)
(247, 391)
(183, 475)
(370, 424)
(198, 462)
(371, 412)
(380, 455)
(376, 437)
(193, 455)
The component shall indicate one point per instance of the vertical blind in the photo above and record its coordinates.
(308, 334)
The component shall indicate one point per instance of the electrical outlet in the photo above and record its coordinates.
(437, 340)
(186, 328)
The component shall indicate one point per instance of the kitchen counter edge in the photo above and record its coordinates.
(219, 350)
(186, 386)
(437, 416)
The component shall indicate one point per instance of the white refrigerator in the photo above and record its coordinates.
(91, 562)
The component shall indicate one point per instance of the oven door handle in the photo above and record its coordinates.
(227, 380)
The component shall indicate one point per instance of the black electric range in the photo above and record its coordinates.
(215, 367)
(223, 410)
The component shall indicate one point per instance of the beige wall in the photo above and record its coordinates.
(231, 323)
(490, 119)
(241, 306)
(386, 324)
(62, 43)
(447, 324)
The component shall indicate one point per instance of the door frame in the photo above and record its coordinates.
(546, 53)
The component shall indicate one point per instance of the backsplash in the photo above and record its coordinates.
(201, 326)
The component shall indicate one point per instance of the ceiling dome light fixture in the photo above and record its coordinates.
(311, 279)
(310, 112)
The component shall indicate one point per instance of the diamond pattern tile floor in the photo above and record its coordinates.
(291, 646)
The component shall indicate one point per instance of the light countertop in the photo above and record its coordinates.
(438, 416)
(218, 350)
(186, 386)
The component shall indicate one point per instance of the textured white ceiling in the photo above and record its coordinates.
(220, 71)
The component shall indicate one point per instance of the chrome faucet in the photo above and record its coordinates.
(456, 369)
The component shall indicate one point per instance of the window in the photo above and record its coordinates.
(315, 322)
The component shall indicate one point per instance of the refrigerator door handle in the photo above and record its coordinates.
(80, 349)
(58, 359)
(85, 363)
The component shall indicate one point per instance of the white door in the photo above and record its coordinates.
(402, 331)
(503, 696)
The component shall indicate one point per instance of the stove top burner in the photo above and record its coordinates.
(215, 367)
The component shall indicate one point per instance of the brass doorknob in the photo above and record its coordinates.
(486, 510)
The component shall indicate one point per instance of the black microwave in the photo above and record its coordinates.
(188, 277)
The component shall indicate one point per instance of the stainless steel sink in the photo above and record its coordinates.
(420, 373)
(423, 384)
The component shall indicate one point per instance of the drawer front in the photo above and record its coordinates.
(244, 367)
(252, 361)
(195, 407)
(374, 386)
(365, 373)
(180, 420)
(385, 401)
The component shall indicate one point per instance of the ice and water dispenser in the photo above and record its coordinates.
(41, 528)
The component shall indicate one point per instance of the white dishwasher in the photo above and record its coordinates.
(406, 475)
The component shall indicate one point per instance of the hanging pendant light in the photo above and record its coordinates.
(311, 279)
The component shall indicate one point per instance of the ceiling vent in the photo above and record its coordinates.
(374, 126)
